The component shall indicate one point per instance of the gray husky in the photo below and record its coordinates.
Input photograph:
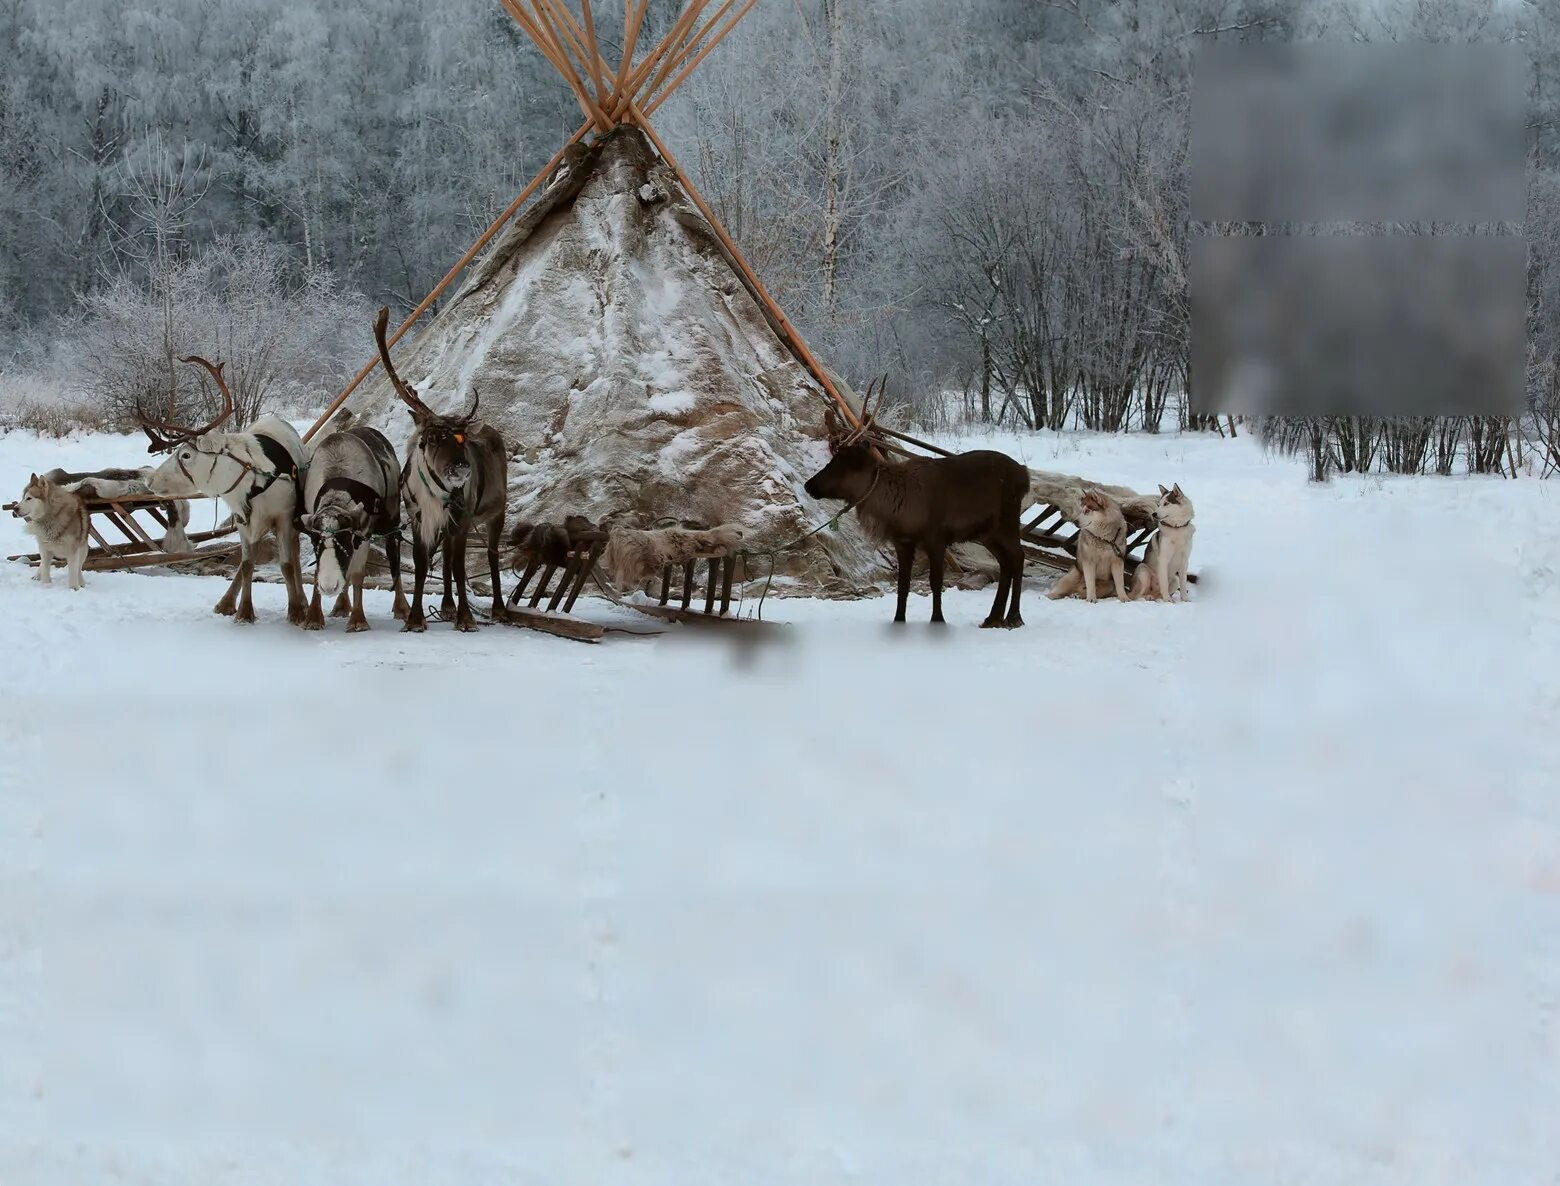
(1163, 570)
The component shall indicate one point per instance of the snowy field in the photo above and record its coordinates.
(1260, 889)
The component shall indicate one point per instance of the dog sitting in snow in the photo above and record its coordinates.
(632, 557)
(1101, 550)
(1163, 570)
(57, 519)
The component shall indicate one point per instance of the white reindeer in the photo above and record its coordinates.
(256, 473)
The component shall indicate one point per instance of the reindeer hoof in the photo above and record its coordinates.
(246, 616)
(225, 608)
(465, 624)
(991, 623)
(1013, 623)
(296, 616)
(399, 611)
(357, 627)
(414, 626)
(500, 614)
(314, 622)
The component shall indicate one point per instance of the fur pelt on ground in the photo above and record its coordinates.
(632, 557)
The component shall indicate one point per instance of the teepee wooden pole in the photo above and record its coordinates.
(553, 51)
(637, 76)
(562, 21)
(460, 265)
(685, 51)
(793, 339)
(672, 44)
(595, 51)
(633, 17)
(682, 77)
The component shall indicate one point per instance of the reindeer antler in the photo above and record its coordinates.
(405, 390)
(180, 434)
(867, 418)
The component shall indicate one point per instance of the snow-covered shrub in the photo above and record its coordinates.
(288, 338)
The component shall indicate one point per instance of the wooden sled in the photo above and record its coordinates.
(137, 547)
(573, 569)
(550, 605)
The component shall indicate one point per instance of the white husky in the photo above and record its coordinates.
(57, 519)
(1163, 570)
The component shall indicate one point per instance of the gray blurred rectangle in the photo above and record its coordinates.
(1405, 325)
(1333, 133)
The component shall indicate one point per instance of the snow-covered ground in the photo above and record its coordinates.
(1260, 889)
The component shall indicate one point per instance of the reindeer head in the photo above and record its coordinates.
(338, 527)
(440, 439)
(198, 452)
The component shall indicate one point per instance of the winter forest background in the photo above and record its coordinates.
(983, 197)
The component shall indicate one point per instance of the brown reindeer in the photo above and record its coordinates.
(929, 503)
(454, 476)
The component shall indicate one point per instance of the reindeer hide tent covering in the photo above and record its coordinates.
(630, 370)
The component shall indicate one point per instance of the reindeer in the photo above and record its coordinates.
(352, 493)
(256, 473)
(454, 476)
(929, 503)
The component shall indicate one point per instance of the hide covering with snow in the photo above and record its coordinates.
(632, 374)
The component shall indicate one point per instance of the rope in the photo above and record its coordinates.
(775, 553)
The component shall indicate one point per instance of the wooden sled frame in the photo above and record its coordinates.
(138, 549)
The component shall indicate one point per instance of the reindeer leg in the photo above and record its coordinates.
(343, 605)
(358, 622)
(314, 619)
(495, 528)
(447, 602)
(415, 622)
(1016, 563)
(906, 551)
(1004, 577)
(393, 555)
(463, 619)
(244, 579)
(227, 601)
(246, 604)
(287, 557)
(936, 557)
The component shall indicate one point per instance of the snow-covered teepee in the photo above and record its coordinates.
(617, 338)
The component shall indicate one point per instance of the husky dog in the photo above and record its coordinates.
(57, 519)
(1102, 547)
(1163, 570)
